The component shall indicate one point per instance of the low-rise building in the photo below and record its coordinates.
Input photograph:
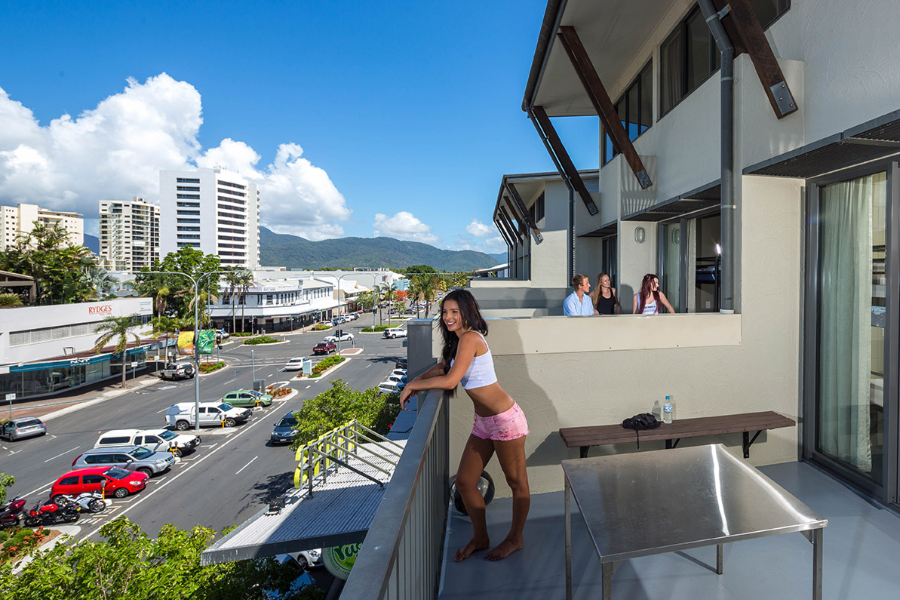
(46, 349)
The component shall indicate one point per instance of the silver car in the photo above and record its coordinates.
(22, 427)
(133, 458)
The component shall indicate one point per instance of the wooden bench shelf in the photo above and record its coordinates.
(600, 435)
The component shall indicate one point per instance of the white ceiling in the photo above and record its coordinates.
(612, 31)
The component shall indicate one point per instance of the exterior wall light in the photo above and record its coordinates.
(640, 235)
(676, 236)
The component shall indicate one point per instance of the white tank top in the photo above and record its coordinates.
(650, 308)
(481, 370)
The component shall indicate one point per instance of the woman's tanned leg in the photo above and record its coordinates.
(512, 460)
(475, 457)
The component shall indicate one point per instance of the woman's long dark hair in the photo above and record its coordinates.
(471, 317)
(646, 291)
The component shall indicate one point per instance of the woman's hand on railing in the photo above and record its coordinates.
(405, 395)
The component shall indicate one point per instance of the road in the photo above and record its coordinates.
(233, 473)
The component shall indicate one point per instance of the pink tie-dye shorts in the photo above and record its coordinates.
(506, 426)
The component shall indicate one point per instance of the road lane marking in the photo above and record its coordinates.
(309, 386)
(39, 488)
(62, 454)
(368, 365)
(247, 465)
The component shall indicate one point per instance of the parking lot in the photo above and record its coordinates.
(233, 472)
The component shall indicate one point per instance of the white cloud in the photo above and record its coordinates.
(116, 150)
(404, 226)
(478, 229)
(493, 245)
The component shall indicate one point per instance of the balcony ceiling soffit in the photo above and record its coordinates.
(613, 32)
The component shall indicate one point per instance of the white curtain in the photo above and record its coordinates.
(845, 309)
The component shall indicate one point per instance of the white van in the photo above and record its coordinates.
(158, 440)
(394, 332)
(212, 414)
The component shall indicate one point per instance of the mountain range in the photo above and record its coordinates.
(294, 252)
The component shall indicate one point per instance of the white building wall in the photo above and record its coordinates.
(42, 317)
(15, 220)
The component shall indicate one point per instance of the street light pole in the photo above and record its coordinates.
(196, 283)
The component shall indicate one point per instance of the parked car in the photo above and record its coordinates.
(394, 332)
(22, 427)
(174, 371)
(113, 480)
(353, 316)
(157, 440)
(390, 387)
(132, 458)
(324, 348)
(284, 430)
(247, 399)
(401, 364)
(296, 364)
(340, 337)
(212, 414)
(399, 372)
(397, 378)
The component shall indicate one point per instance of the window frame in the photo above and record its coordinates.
(637, 84)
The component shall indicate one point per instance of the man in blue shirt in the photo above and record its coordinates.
(578, 303)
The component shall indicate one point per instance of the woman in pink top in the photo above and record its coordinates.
(500, 425)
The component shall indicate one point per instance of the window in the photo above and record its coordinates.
(180, 180)
(689, 55)
(70, 480)
(188, 229)
(188, 204)
(188, 196)
(187, 189)
(635, 110)
(92, 479)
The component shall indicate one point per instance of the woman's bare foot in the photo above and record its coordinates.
(473, 545)
(505, 548)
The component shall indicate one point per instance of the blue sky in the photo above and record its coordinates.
(404, 108)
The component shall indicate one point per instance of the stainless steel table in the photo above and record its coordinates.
(654, 502)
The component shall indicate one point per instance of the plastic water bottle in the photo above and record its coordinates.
(668, 411)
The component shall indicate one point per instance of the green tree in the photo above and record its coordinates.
(117, 328)
(6, 482)
(61, 271)
(10, 300)
(127, 563)
(420, 269)
(174, 293)
(339, 405)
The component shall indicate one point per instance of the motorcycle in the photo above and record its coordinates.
(12, 512)
(51, 513)
(87, 501)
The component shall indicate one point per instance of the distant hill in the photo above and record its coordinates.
(293, 252)
(500, 258)
(92, 243)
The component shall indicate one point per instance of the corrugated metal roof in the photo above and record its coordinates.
(339, 512)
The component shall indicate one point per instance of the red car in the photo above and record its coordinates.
(324, 348)
(119, 482)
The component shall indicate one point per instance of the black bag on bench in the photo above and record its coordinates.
(639, 423)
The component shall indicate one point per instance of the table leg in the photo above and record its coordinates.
(817, 563)
(568, 522)
(720, 559)
(607, 581)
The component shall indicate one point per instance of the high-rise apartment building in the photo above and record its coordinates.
(15, 220)
(214, 210)
(129, 234)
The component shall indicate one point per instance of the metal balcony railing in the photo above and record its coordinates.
(402, 555)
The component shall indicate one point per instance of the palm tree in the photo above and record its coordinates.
(10, 300)
(245, 280)
(118, 328)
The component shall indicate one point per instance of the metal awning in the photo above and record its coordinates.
(873, 140)
(338, 512)
(611, 228)
(702, 198)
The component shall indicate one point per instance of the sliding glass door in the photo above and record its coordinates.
(851, 366)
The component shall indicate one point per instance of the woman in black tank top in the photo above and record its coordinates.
(606, 305)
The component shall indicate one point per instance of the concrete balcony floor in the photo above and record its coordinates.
(862, 546)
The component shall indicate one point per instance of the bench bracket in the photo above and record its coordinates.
(748, 442)
(582, 451)
(670, 444)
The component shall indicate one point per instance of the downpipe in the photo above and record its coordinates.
(726, 49)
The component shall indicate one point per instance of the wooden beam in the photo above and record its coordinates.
(528, 219)
(514, 224)
(504, 218)
(746, 33)
(502, 232)
(602, 104)
(563, 157)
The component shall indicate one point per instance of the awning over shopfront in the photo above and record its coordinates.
(873, 140)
